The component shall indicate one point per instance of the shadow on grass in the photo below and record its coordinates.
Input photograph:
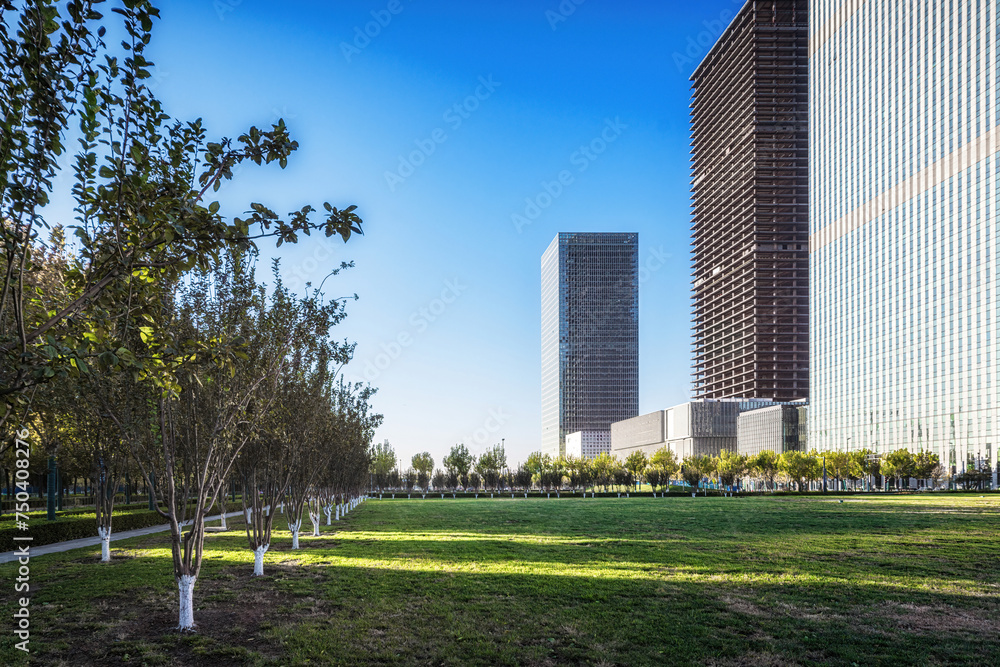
(364, 615)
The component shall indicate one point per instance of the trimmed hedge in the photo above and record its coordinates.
(10, 515)
(72, 528)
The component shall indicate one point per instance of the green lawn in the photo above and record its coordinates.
(642, 581)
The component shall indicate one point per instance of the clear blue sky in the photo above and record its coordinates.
(442, 238)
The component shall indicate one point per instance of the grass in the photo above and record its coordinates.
(642, 581)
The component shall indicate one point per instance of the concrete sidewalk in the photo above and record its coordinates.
(95, 541)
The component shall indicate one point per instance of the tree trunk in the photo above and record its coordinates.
(314, 519)
(329, 514)
(185, 587)
(294, 527)
(258, 560)
(105, 534)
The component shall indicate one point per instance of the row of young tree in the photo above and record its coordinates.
(142, 345)
(767, 471)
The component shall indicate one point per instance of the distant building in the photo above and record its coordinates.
(588, 444)
(590, 334)
(697, 428)
(779, 428)
(750, 197)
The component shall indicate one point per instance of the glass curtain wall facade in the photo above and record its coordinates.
(750, 197)
(904, 179)
(590, 334)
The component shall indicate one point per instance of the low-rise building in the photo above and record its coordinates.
(778, 428)
(697, 428)
(588, 444)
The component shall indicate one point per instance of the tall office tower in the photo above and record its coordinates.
(750, 192)
(590, 334)
(904, 252)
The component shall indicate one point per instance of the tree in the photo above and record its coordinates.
(938, 474)
(459, 462)
(654, 476)
(838, 465)
(211, 405)
(490, 464)
(383, 463)
(899, 465)
(798, 466)
(522, 478)
(423, 464)
(695, 468)
(665, 459)
(285, 450)
(141, 191)
(730, 466)
(924, 463)
(765, 466)
(636, 464)
(537, 462)
(439, 480)
(864, 463)
(604, 466)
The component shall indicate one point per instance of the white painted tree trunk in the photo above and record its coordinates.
(329, 514)
(105, 534)
(185, 587)
(314, 520)
(223, 524)
(338, 512)
(295, 533)
(258, 560)
(282, 508)
(247, 513)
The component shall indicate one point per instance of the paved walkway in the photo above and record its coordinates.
(59, 547)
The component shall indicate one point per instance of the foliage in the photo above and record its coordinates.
(423, 463)
(141, 189)
(730, 466)
(383, 463)
(636, 464)
(459, 462)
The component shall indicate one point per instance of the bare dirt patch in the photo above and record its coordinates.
(938, 619)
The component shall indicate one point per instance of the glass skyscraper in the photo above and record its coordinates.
(590, 334)
(904, 177)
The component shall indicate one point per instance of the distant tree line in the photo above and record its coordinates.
(766, 471)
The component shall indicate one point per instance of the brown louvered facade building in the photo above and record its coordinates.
(750, 230)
